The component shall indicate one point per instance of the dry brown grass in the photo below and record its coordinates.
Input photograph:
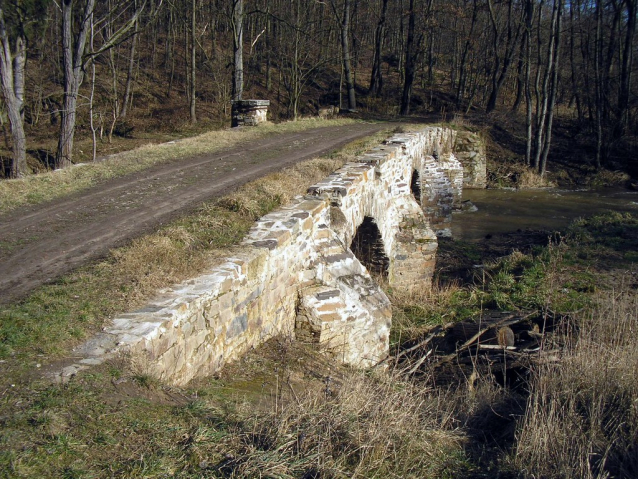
(582, 414)
(517, 175)
(529, 178)
(361, 427)
(280, 188)
(606, 178)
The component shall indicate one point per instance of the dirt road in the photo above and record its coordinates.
(43, 242)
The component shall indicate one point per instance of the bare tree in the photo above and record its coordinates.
(297, 60)
(547, 89)
(469, 45)
(502, 60)
(530, 8)
(413, 51)
(344, 26)
(626, 68)
(238, 49)
(12, 73)
(554, 66)
(376, 79)
(193, 64)
(128, 89)
(75, 60)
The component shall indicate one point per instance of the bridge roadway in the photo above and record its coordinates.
(43, 242)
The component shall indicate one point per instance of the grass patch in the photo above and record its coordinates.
(558, 279)
(55, 184)
(576, 412)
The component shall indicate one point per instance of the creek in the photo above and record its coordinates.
(506, 210)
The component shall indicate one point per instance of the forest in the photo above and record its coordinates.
(518, 363)
(99, 69)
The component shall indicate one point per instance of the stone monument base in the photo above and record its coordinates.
(249, 112)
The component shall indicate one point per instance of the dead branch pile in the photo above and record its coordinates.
(504, 345)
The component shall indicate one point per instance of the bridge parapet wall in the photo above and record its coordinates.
(295, 272)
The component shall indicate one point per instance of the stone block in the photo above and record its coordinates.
(237, 326)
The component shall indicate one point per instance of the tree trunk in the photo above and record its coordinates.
(520, 70)
(462, 76)
(238, 42)
(598, 47)
(12, 76)
(72, 60)
(410, 63)
(268, 49)
(345, 46)
(501, 64)
(572, 62)
(541, 112)
(91, 102)
(625, 70)
(376, 79)
(193, 71)
(129, 74)
(528, 87)
(554, 90)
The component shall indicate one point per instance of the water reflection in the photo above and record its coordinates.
(501, 211)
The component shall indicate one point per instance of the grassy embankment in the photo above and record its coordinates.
(286, 412)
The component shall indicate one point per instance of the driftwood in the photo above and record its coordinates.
(505, 345)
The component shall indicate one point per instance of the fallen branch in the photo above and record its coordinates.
(418, 363)
(430, 337)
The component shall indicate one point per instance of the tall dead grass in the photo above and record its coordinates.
(529, 178)
(582, 414)
(363, 427)
(255, 198)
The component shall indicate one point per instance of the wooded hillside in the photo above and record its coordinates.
(101, 68)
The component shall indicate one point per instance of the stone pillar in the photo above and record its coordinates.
(249, 112)
(470, 151)
(413, 255)
(454, 171)
(343, 311)
(437, 195)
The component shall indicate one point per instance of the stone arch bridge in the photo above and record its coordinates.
(305, 269)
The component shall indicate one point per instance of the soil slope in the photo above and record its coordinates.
(46, 241)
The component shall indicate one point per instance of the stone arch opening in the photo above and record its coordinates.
(367, 246)
(415, 186)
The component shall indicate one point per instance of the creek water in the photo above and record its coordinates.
(505, 210)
